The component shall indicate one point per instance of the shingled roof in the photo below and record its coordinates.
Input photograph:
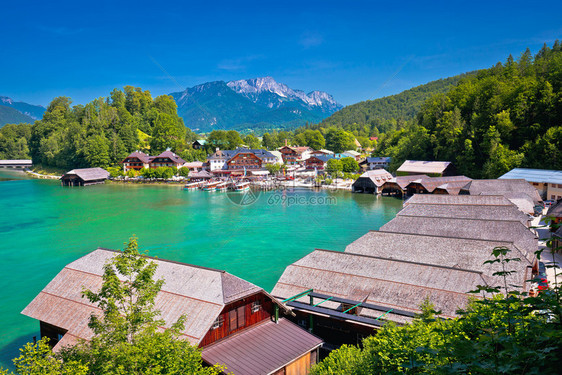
(199, 293)
(265, 348)
(509, 231)
(431, 183)
(459, 211)
(377, 176)
(172, 156)
(478, 200)
(377, 280)
(446, 251)
(140, 155)
(423, 167)
(89, 174)
(501, 187)
(403, 181)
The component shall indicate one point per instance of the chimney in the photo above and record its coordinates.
(286, 142)
(217, 149)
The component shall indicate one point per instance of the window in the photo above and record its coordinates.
(256, 306)
(218, 323)
(236, 318)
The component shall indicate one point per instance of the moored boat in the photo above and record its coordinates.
(192, 185)
(222, 186)
(210, 186)
(242, 186)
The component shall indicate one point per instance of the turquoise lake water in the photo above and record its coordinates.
(44, 226)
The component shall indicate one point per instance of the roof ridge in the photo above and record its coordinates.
(168, 261)
(461, 218)
(437, 236)
(401, 260)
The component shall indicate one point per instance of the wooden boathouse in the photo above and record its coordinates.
(234, 322)
(371, 182)
(84, 177)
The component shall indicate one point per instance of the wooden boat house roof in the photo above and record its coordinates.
(254, 345)
(509, 231)
(377, 176)
(88, 174)
(477, 200)
(431, 183)
(394, 283)
(489, 212)
(469, 254)
(501, 187)
(403, 181)
(424, 167)
(198, 292)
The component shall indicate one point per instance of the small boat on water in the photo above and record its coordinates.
(242, 186)
(223, 186)
(192, 185)
(210, 186)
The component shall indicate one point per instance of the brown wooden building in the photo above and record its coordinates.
(292, 155)
(224, 315)
(318, 161)
(243, 160)
(84, 177)
(136, 160)
(167, 159)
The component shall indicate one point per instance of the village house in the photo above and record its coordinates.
(294, 155)
(321, 152)
(352, 154)
(371, 182)
(223, 160)
(136, 160)
(234, 322)
(167, 159)
(199, 144)
(139, 160)
(84, 177)
(318, 162)
(244, 160)
(547, 182)
(194, 166)
(380, 162)
(429, 168)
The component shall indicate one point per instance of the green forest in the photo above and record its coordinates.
(101, 133)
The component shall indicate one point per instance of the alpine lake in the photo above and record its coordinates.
(44, 226)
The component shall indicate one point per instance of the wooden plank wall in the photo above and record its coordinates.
(265, 312)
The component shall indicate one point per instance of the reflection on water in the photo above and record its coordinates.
(10, 175)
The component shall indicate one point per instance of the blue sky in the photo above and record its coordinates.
(354, 50)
